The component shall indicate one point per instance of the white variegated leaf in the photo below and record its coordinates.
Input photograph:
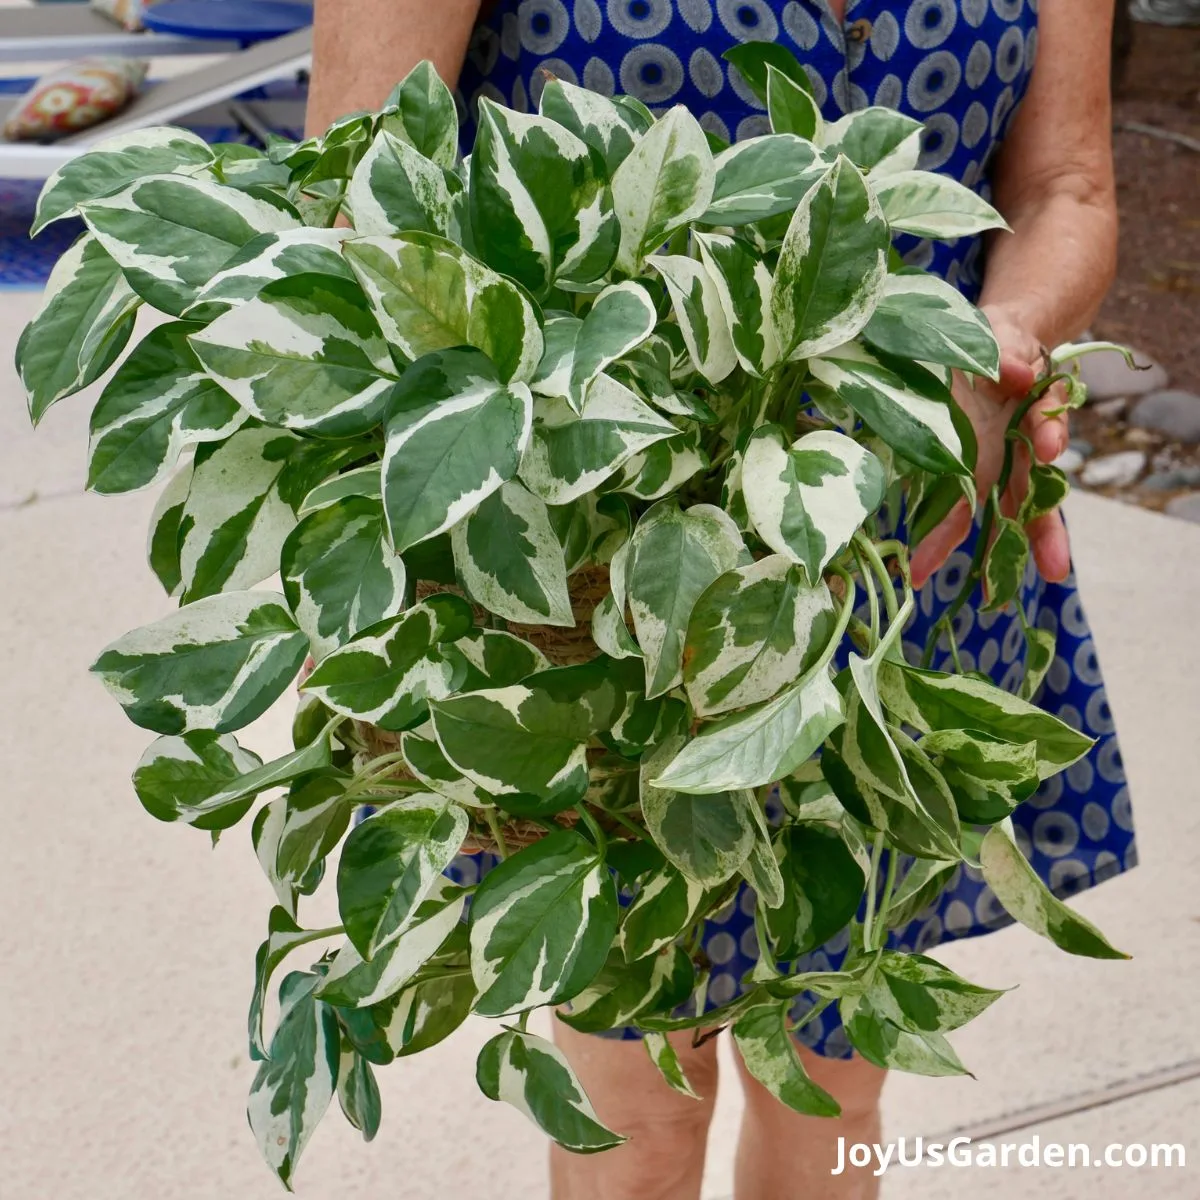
(791, 107)
(114, 164)
(424, 758)
(663, 1056)
(570, 454)
(429, 295)
(158, 402)
(235, 522)
(553, 376)
(760, 745)
(361, 481)
(697, 302)
(387, 674)
(355, 982)
(620, 319)
(921, 316)
(82, 325)
(754, 631)
(421, 111)
(339, 573)
(455, 434)
(769, 1053)
(877, 139)
(909, 408)
(667, 902)
(162, 537)
(395, 189)
(832, 264)
(242, 649)
(306, 353)
(171, 234)
(605, 126)
(707, 837)
(178, 776)
(761, 177)
(510, 561)
(663, 468)
(610, 633)
(926, 204)
(541, 924)
(807, 500)
(540, 211)
(743, 282)
(533, 1076)
(674, 555)
(665, 182)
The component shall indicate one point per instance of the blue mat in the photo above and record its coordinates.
(26, 263)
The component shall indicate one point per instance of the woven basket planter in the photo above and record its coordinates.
(563, 646)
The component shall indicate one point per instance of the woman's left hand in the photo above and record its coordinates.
(990, 407)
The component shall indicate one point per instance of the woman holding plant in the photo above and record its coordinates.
(1014, 102)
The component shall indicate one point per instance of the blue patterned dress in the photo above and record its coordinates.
(962, 67)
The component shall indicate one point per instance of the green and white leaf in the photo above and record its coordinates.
(158, 402)
(667, 902)
(178, 776)
(353, 982)
(424, 758)
(665, 182)
(606, 127)
(876, 139)
(533, 1076)
(390, 863)
(760, 745)
(421, 111)
(921, 316)
(364, 482)
(396, 189)
(1026, 899)
(81, 326)
(930, 700)
(541, 925)
(697, 303)
(930, 205)
(707, 837)
(769, 1052)
(429, 294)
(663, 1056)
(527, 743)
(791, 108)
(114, 164)
(294, 1086)
(752, 632)
(305, 353)
(922, 996)
(358, 1093)
(620, 319)
(234, 521)
(510, 561)
(339, 574)
(455, 434)
(387, 674)
(673, 556)
(906, 405)
(832, 264)
(540, 211)
(807, 500)
(571, 454)
(162, 537)
(762, 177)
(170, 234)
(214, 665)
(743, 282)
(622, 991)
(885, 1044)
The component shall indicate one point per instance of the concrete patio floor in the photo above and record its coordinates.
(128, 945)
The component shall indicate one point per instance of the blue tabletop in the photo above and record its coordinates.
(237, 20)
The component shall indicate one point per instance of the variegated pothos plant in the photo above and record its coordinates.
(599, 343)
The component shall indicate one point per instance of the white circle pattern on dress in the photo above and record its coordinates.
(748, 20)
(544, 25)
(697, 13)
(652, 73)
(800, 26)
(705, 72)
(885, 37)
(930, 22)
(639, 18)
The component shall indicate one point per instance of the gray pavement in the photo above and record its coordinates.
(127, 945)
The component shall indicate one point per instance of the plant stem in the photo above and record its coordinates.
(593, 827)
(888, 888)
(810, 1016)
(872, 554)
(489, 815)
(847, 611)
(872, 595)
(872, 884)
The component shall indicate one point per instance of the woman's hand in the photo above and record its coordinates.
(990, 407)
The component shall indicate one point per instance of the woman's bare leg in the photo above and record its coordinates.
(782, 1155)
(667, 1131)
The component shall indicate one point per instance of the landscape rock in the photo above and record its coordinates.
(1112, 410)
(1069, 461)
(1114, 470)
(1186, 508)
(1169, 480)
(1107, 375)
(1174, 414)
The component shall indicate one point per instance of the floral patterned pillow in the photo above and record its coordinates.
(73, 97)
(127, 13)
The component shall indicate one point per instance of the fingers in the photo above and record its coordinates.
(1017, 375)
(1051, 547)
(1049, 434)
(940, 543)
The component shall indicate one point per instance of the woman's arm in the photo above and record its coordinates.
(1054, 184)
(363, 48)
